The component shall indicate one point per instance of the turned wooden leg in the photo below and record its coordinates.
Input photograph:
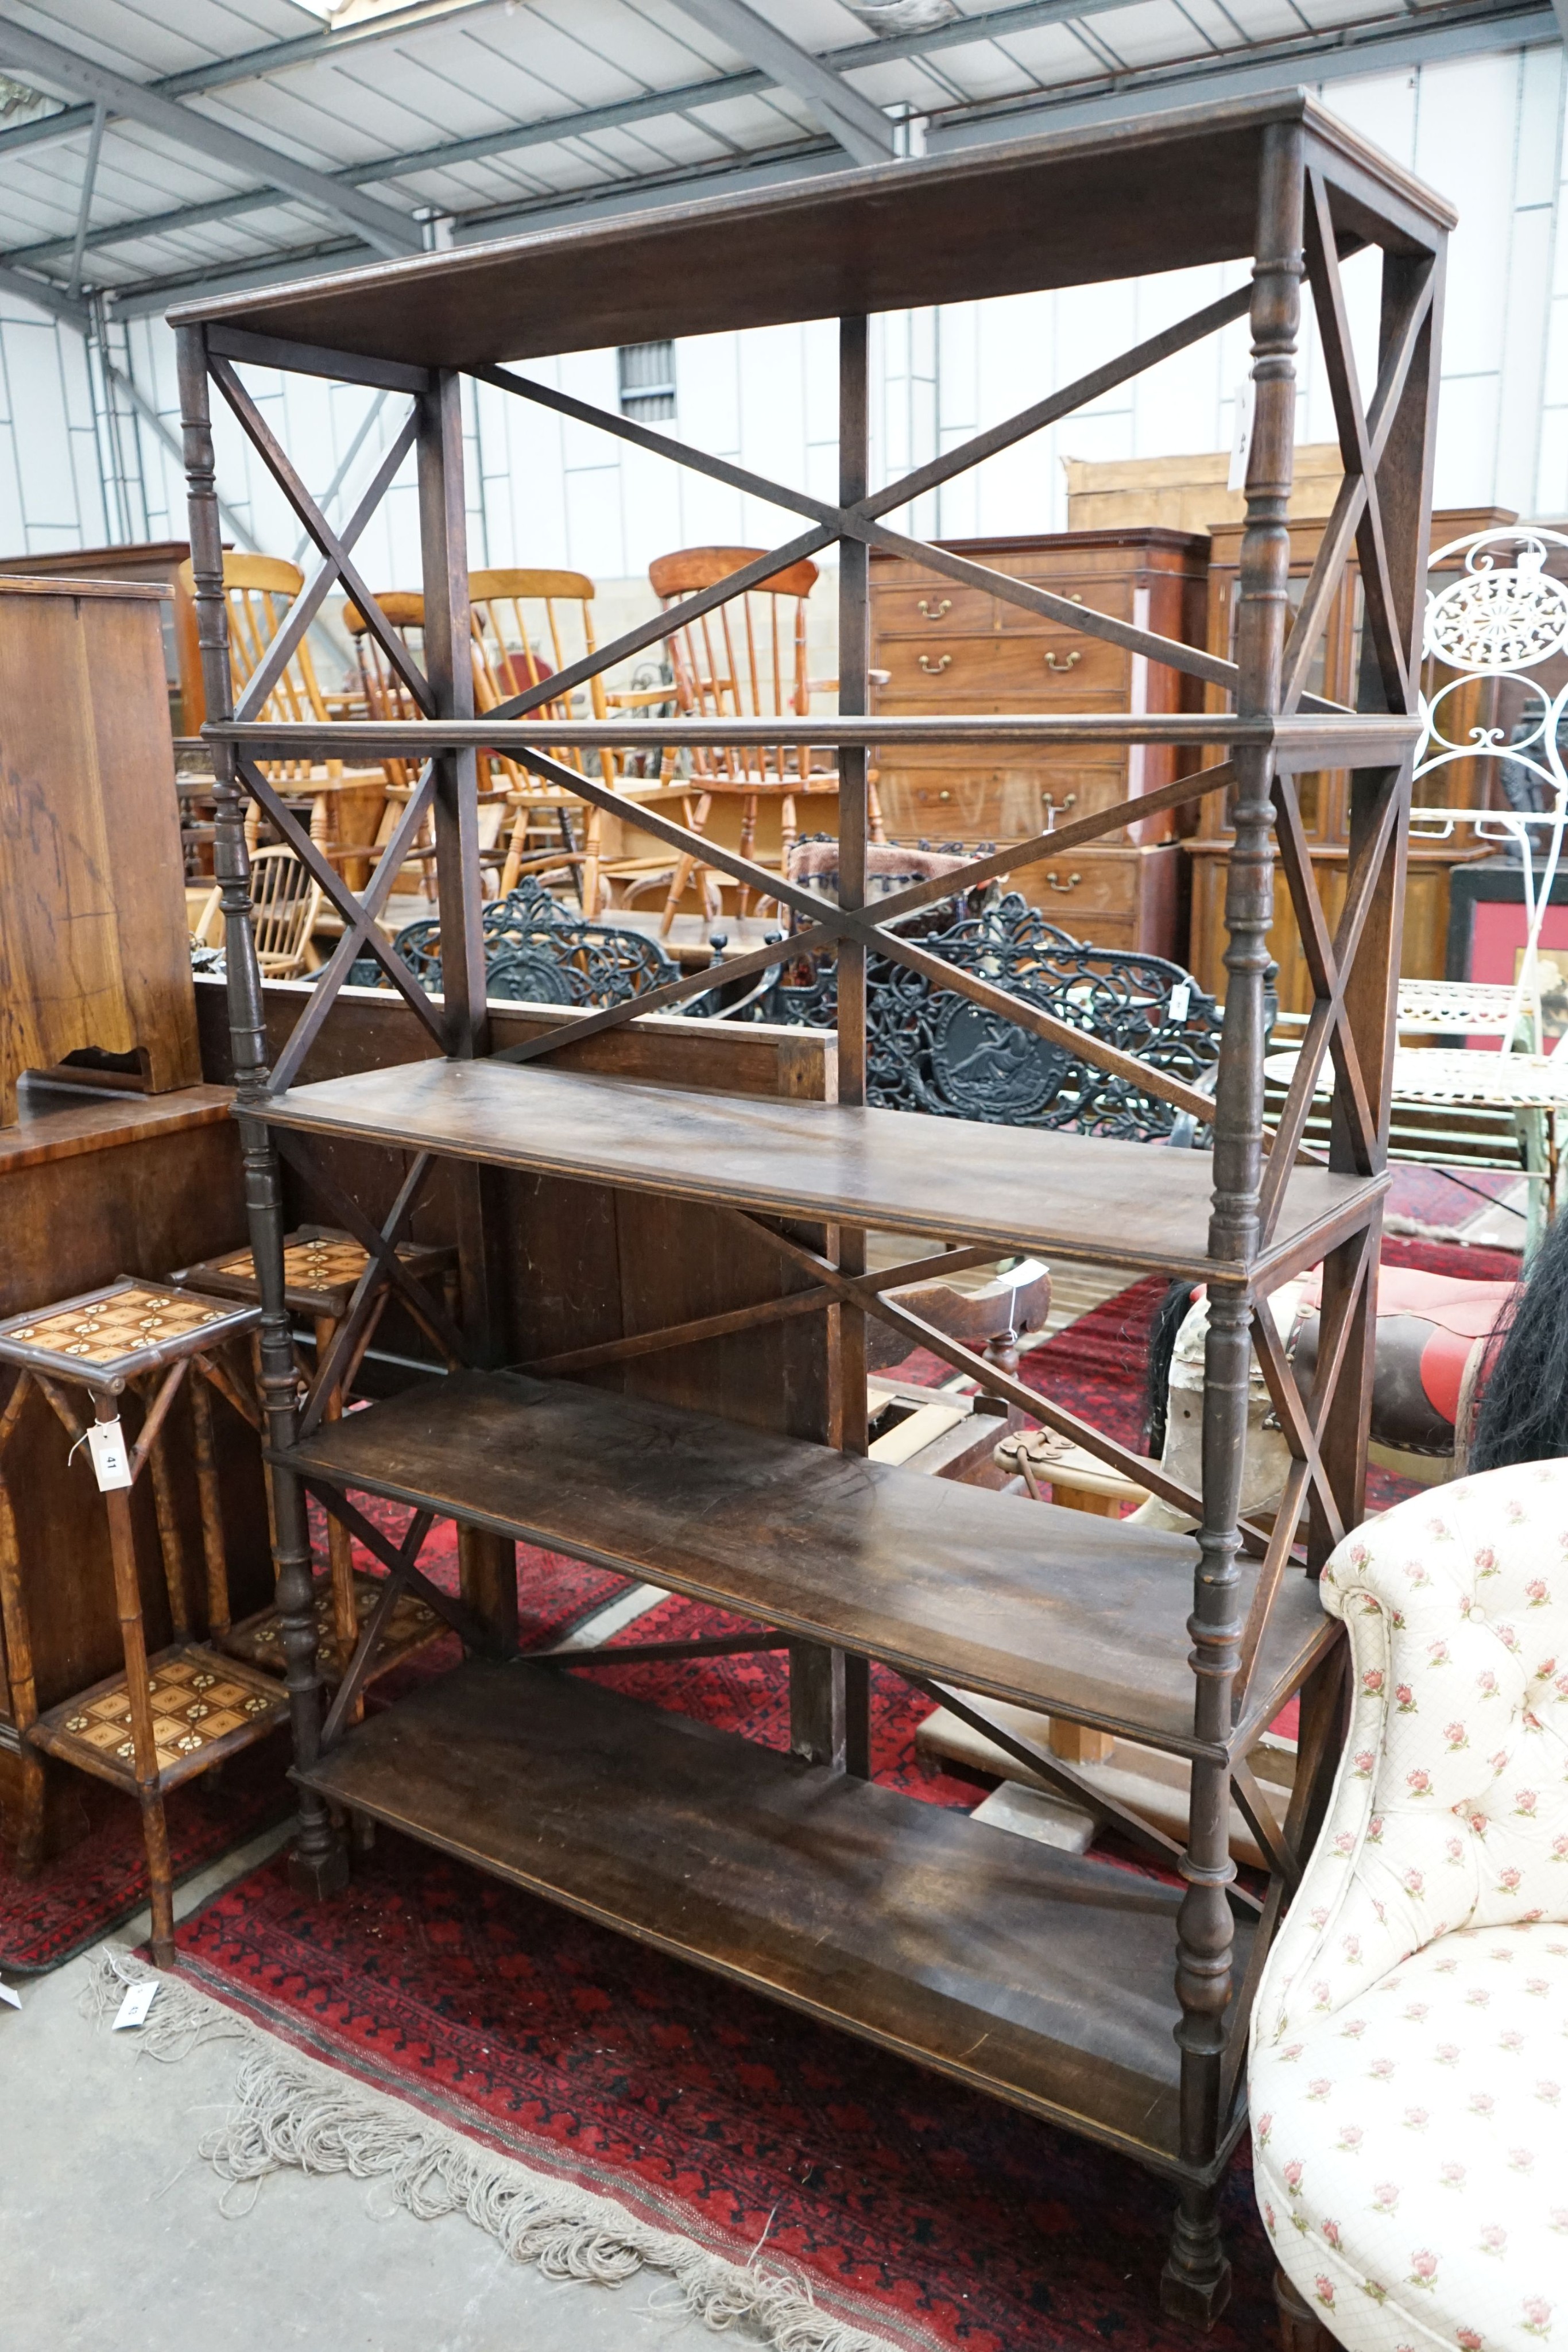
(1301, 2328)
(1195, 2285)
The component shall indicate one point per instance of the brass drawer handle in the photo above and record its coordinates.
(936, 668)
(935, 611)
(1072, 661)
(1071, 884)
(1054, 807)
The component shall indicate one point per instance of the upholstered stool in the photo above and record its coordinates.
(322, 1269)
(162, 1720)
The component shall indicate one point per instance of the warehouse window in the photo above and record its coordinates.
(647, 373)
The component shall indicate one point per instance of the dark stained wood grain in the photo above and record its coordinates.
(1166, 192)
(1042, 1978)
(1067, 1195)
(1047, 1608)
(369, 1028)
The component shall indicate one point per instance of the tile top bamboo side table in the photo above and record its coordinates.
(167, 1718)
(324, 1270)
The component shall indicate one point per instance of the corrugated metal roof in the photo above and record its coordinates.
(496, 113)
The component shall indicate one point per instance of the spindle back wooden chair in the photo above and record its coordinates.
(285, 901)
(345, 806)
(386, 696)
(527, 624)
(745, 660)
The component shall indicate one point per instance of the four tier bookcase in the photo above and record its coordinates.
(1114, 2003)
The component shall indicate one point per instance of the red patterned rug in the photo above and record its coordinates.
(85, 1893)
(918, 2210)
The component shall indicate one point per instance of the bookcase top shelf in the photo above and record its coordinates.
(1171, 191)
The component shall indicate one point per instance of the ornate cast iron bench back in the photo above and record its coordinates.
(929, 1049)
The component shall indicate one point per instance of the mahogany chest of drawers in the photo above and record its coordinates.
(939, 648)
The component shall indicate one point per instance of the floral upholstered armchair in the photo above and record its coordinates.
(1409, 2063)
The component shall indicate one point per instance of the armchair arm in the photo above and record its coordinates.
(1451, 1805)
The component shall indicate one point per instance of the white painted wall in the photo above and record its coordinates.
(1486, 132)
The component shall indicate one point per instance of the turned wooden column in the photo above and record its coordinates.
(1196, 2280)
(318, 1864)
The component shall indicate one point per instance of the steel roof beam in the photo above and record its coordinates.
(860, 129)
(1400, 44)
(312, 48)
(29, 53)
(251, 65)
(516, 137)
(47, 297)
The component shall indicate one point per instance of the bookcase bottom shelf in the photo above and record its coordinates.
(1043, 1979)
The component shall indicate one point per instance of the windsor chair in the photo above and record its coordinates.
(285, 901)
(745, 660)
(346, 805)
(527, 624)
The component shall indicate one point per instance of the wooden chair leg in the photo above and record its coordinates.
(873, 812)
(1300, 2327)
(748, 842)
(591, 829)
(516, 846)
(685, 864)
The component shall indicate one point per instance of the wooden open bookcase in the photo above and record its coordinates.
(1109, 2002)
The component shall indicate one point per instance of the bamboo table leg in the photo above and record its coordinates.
(339, 1550)
(128, 1597)
(19, 1669)
(219, 1613)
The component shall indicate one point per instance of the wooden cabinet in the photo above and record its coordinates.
(93, 948)
(937, 647)
(158, 562)
(1324, 797)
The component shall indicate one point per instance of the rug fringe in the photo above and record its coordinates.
(1413, 1229)
(290, 2110)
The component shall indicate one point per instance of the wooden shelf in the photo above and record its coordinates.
(1053, 1609)
(1141, 1205)
(966, 1949)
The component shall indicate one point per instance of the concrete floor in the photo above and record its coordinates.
(112, 2238)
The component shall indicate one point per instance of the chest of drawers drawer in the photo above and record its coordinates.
(949, 802)
(1053, 670)
(1115, 898)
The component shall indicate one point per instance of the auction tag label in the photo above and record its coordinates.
(133, 2009)
(110, 1454)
